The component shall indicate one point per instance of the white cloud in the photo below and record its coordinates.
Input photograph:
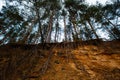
(2, 3)
(94, 1)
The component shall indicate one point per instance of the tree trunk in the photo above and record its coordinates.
(40, 29)
(50, 28)
(65, 31)
(89, 37)
(74, 26)
(56, 30)
(111, 24)
(55, 34)
(93, 30)
(110, 32)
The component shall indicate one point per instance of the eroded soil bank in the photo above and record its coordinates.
(61, 62)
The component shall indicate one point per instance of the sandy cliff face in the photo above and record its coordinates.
(85, 62)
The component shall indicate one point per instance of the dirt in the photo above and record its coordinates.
(85, 62)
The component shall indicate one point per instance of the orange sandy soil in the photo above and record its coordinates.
(86, 62)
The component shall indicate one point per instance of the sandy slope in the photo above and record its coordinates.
(86, 62)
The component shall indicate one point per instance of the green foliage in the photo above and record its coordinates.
(35, 20)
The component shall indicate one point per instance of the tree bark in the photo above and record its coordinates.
(89, 37)
(93, 30)
(74, 26)
(40, 29)
(50, 28)
(65, 31)
(110, 32)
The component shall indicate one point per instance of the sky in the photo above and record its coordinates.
(88, 1)
(1, 3)
(94, 1)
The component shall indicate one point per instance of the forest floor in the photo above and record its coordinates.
(61, 62)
